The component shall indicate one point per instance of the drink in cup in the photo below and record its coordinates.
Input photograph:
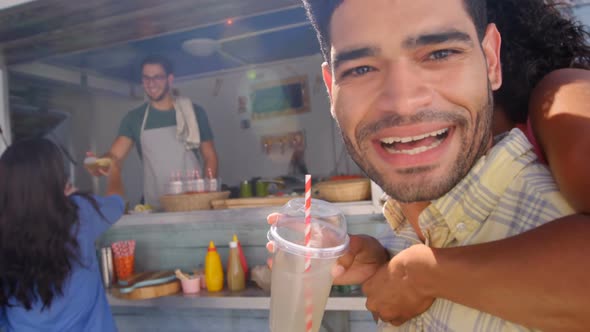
(295, 290)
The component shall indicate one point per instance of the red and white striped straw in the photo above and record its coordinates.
(307, 217)
(308, 295)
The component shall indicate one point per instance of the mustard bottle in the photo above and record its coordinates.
(236, 280)
(213, 269)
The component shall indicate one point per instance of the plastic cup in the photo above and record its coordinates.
(124, 266)
(293, 289)
(191, 286)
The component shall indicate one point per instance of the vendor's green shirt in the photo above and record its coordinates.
(131, 124)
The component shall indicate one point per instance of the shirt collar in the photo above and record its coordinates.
(465, 207)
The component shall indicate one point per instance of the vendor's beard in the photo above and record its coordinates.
(162, 95)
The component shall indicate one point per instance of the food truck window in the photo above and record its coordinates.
(253, 67)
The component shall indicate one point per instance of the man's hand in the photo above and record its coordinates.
(397, 292)
(117, 154)
(364, 256)
(94, 169)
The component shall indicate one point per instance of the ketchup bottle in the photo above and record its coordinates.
(242, 256)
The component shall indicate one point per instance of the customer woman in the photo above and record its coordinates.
(49, 274)
(546, 88)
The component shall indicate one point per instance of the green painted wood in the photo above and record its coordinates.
(184, 245)
(162, 247)
(162, 319)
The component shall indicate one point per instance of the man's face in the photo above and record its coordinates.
(410, 87)
(155, 81)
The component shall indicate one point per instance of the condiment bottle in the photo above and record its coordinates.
(242, 256)
(236, 281)
(175, 185)
(190, 182)
(201, 273)
(200, 182)
(213, 269)
(212, 180)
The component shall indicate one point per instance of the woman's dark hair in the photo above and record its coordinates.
(38, 224)
(537, 38)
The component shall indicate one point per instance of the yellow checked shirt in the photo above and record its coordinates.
(507, 192)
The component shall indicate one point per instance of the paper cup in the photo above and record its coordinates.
(293, 289)
(190, 286)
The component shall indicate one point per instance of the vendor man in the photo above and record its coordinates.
(172, 135)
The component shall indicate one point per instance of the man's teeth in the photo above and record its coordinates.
(391, 140)
(416, 150)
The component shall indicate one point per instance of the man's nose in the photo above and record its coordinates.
(404, 89)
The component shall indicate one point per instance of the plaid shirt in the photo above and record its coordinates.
(506, 193)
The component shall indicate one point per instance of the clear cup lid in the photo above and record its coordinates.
(328, 230)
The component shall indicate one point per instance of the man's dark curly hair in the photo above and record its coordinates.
(537, 38)
(320, 14)
(38, 225)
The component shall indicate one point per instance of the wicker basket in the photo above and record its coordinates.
(190, 202)
(343, 190)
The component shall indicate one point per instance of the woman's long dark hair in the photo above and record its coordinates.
(38, 224)
(537, 38)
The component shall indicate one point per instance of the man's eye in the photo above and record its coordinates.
(441, 54)
(358, 71)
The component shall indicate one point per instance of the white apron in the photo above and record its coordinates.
(163, 156)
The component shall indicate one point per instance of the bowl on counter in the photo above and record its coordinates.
(191, 286)
(343, 190)
(191, 201)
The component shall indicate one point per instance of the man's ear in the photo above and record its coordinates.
(491, 45)
(170, 79)
(327, 75)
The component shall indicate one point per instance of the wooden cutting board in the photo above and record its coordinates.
(239, 203)
(147, 285)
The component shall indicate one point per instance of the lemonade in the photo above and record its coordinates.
(287, 313)
(295, 290)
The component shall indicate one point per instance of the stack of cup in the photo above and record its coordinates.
(124, 257)
(106, 266)
(295, 289)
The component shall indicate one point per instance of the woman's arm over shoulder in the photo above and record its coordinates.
(559, 111)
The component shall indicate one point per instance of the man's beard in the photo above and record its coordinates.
(427, 190)
(161, 96)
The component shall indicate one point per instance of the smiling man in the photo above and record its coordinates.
(410, 85)
(414, 104)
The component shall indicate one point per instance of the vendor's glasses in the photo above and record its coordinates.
(157, 78)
